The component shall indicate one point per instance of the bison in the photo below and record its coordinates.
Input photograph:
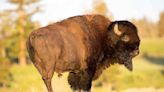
(83, 46)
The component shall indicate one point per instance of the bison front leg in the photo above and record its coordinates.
(73, 80)
(87, 77)
(80, 81)
(86, 82)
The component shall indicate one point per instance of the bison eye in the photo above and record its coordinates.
(131, 47)
(128, 47)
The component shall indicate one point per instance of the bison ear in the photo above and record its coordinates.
(116, 30)
(125, 38)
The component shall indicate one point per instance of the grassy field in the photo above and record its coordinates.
(148, 72)
(155, 46)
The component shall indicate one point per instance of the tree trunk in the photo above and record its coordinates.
(21, 25)
(22, 48)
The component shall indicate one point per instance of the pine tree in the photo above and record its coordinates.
(22, 21)
(100, 7)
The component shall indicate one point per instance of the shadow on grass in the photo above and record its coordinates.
(162, 72)
(154, 59)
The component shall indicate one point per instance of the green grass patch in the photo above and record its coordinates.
(26, 79)
(152, 46)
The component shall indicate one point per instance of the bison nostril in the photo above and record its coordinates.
(138, 51)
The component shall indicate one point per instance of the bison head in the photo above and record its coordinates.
(123, 42)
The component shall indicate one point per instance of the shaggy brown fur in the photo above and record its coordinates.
(82, 45)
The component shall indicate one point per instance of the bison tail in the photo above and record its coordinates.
(30, 48)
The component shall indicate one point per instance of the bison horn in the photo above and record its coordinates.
(116, 30)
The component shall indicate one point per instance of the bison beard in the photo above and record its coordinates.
(126, 58)
(84, 46)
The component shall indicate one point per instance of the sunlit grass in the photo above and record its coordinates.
(26, 79)
(152, 46)
(145, 74)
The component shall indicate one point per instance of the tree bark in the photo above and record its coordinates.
(21, 25)
(22, 55)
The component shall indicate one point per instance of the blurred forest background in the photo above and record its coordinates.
(17, 74)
